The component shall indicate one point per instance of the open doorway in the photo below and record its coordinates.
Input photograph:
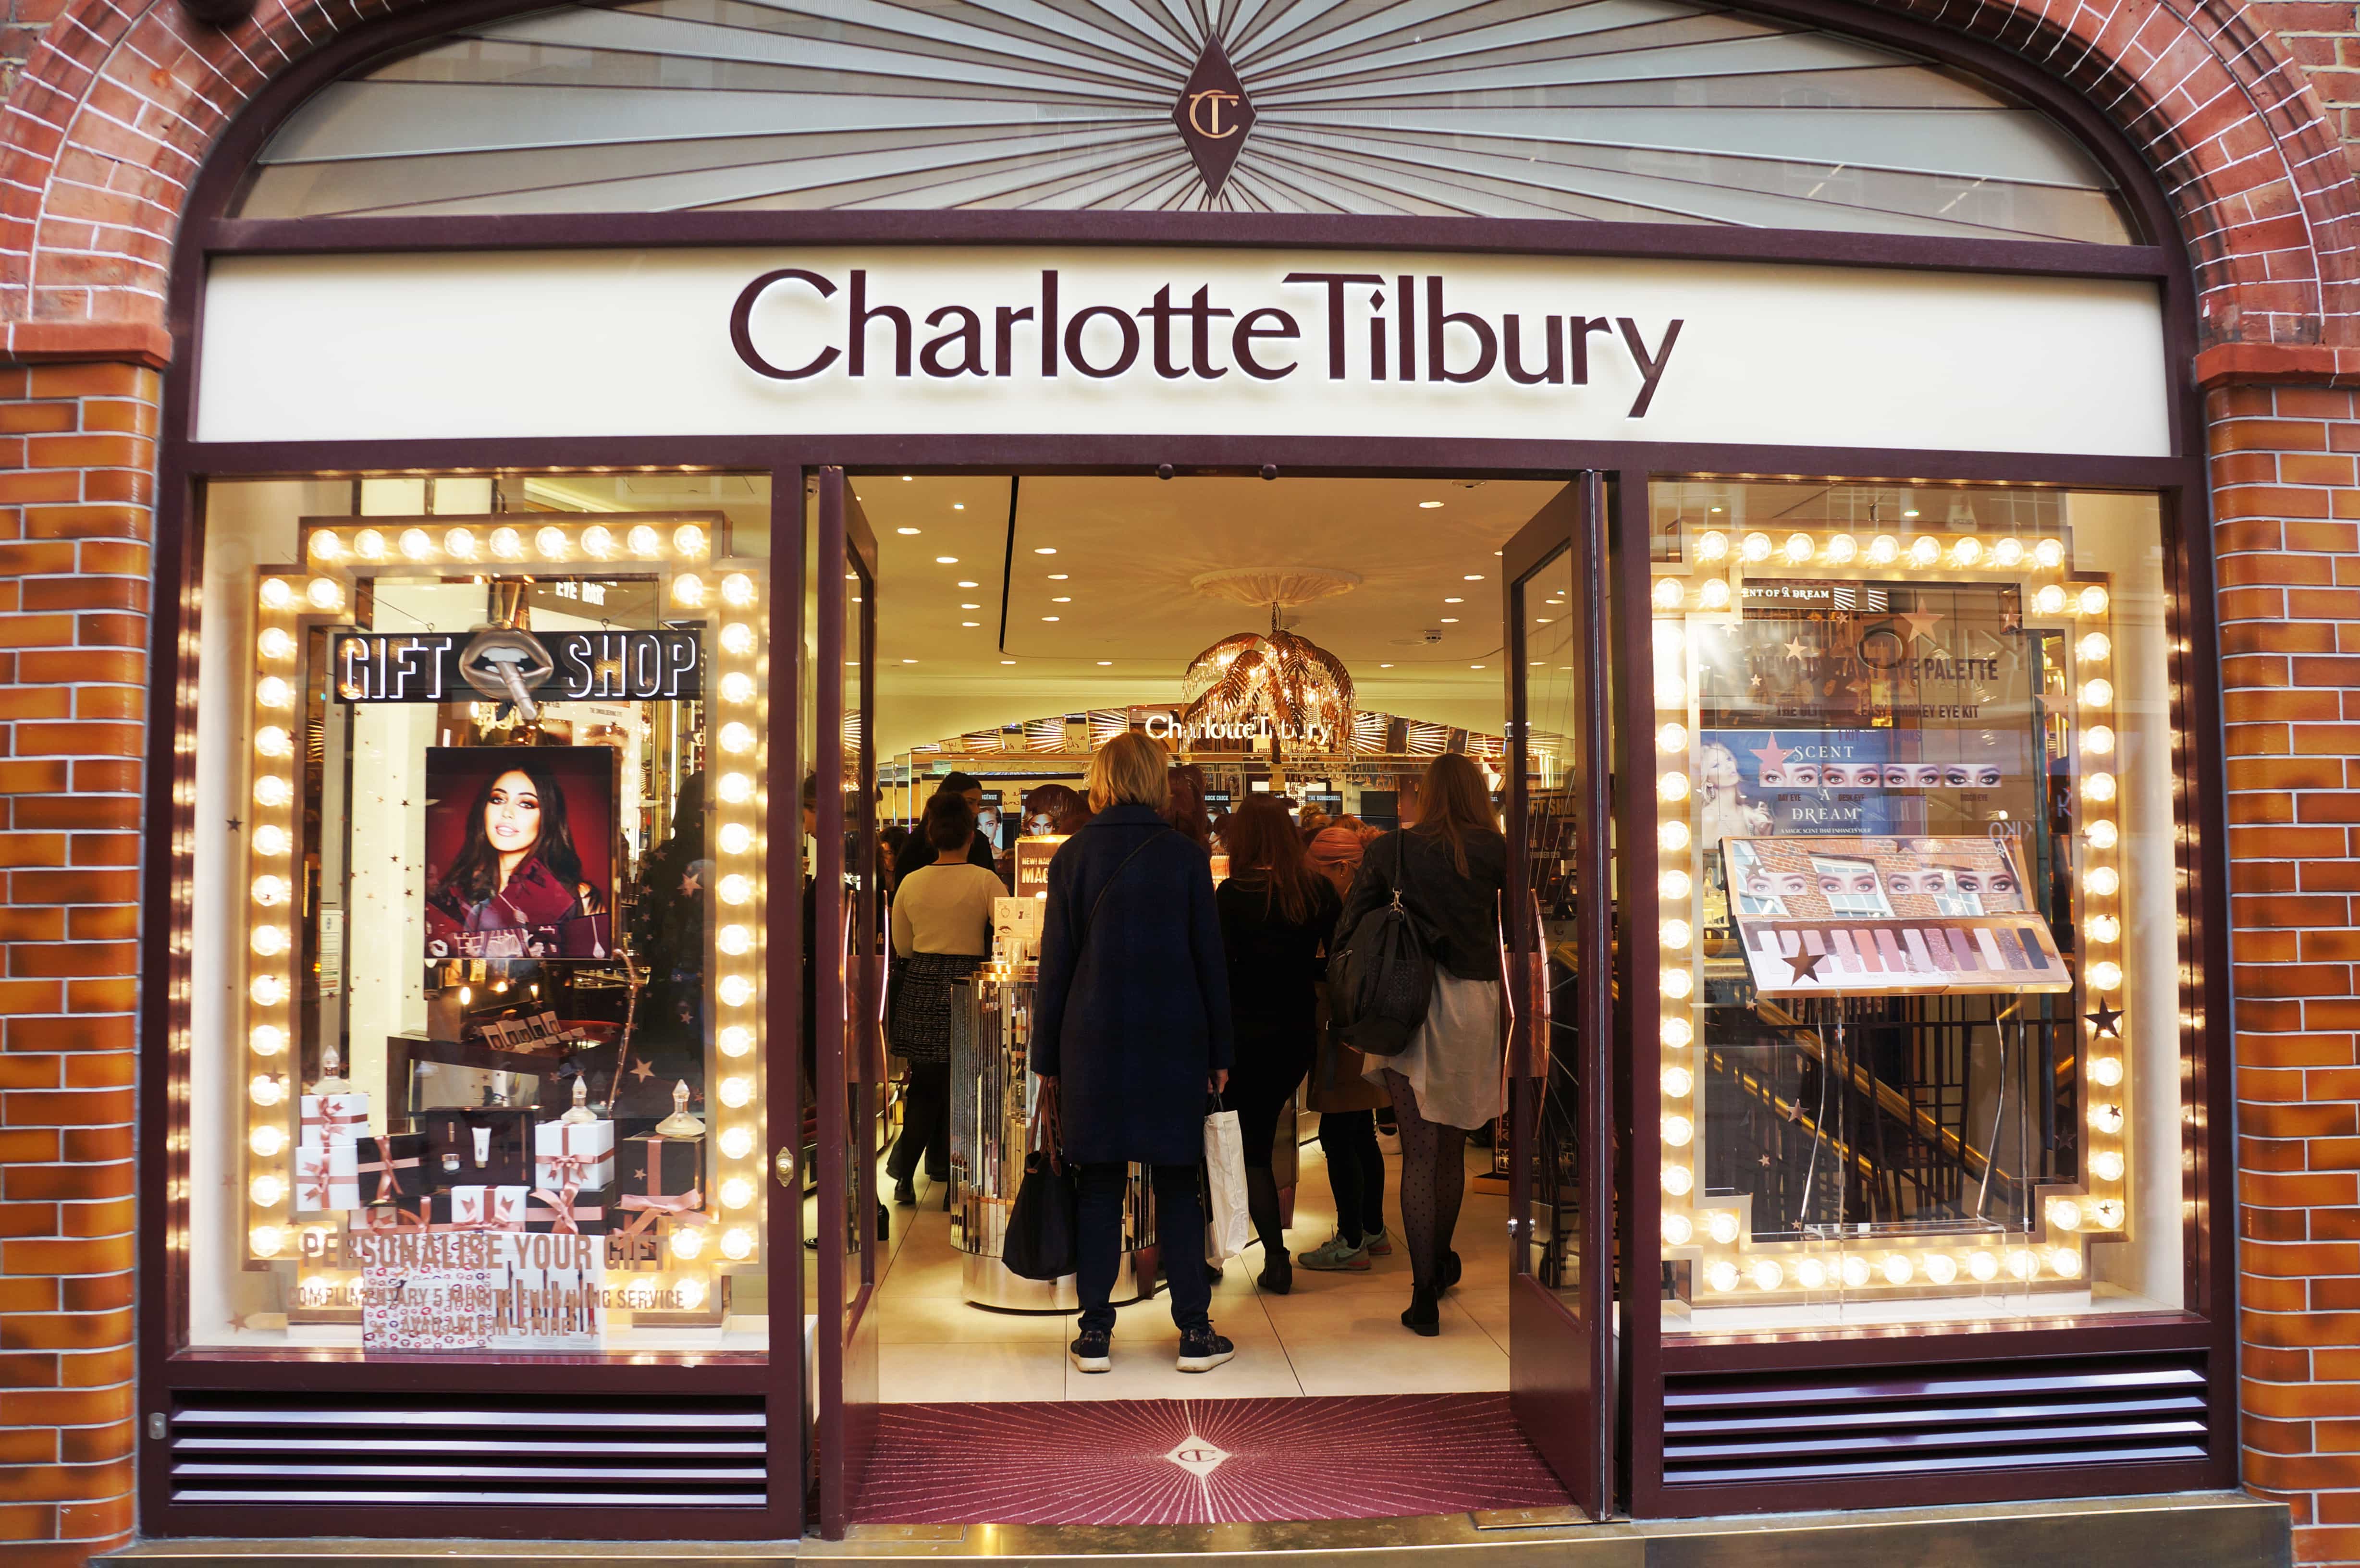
(1001, 628)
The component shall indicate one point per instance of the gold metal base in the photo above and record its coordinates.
(2203, 1529)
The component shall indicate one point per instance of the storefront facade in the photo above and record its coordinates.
(2034, 462)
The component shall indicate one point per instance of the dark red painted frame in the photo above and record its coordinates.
(1643, 1357)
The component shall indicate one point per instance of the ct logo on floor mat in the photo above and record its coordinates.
(1197, 1456)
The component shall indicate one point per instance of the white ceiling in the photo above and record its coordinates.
(1128, 548)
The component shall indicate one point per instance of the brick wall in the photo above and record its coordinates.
(77, 462)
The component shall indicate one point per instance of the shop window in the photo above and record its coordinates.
(477, 914)
(1920, 950)
(1676, 114)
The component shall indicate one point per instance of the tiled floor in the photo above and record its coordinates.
(1333, 1335)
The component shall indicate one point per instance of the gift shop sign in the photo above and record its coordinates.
(1118, 340)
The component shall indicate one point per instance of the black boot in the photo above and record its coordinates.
(1448, 1274)
(1277, 1270)
(1425, 1313)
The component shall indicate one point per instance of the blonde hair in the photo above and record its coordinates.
(1129, 769)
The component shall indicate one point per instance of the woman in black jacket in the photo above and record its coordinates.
(1130, 1026)
(1450, 870)
(1276, 918)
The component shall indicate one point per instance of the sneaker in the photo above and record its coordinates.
(1201, 1349)
(1337, 1255)
(1093, 1351)
(1379, 1244)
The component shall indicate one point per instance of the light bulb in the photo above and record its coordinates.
(1856, 1270)
(268, 940)
(2106, 1165)
(736, 739)
(737, 990)
(1925, 551)
(1678, 1231)
(1721, 1226)
(1672, 737)
(1755, 548)
(2022, 1263)
(272, 740)
(276, 594)
(1678, 1131)
(2094, 647)
(1677, 1081)
(1722, 1275)
(550, 543)
(737, 838)
(1671, 692)
(415, 545)
(689, 1293)
(1984, 1266)
(2106, 1118)
(2103, 928)
(2009, 554)
(268, 1140)
(266, 1240)
(1669, 595)
(1968, 552)
(2100, 833)
(1811, 1274)
(271, 692)
(2105, 1071)
(265, 1190)
(2107, 1213)
(460, 544)
(1712, 545)
(2065, 1262)
(2098, 787)
(1676, 933)
(1676, 1032)
(736, 789)
(324, 593)
(735, 940)
(687, 1241)
(2105, 974)
(2097, 694)
(597, 542)
(507, 544)
(268, 990)
(267, 1039)
(369, 545)
(1677, 1180)
(272, 789)
(2049, 599)
(639, 1295)
(737, 1193)
(2050, 555)
(737, 687)
(2098, 741)
(736, 1040)
(737, 1142)
(1941, 1267)
(1768, 1274)
(736, 890)
(2065, 1214)
(738, 589)
(737, 638)
(266, 1090)
(738, 1244)
(1842, 548)
(1677, 983)
(270, 840)
(1883, 550)
(1800, 549)
(1675, 886)
(1673, 787)
(644, 542)
(688, 589)
(275, 644)
(326, 546)
(2094, 600)
(2101, 881)
(688, 539)
(1672, 835)
(1898, 1269)
(1714, 595)
(270, 891)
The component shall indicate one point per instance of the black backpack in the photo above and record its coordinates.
(1381, 980)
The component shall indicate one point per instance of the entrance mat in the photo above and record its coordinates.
(1201, 1461)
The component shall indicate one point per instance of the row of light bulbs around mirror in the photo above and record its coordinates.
(547, 543)
(1714, 593)
(1965, 551)
(2101, 884)
(272, 845)
(686, 1292)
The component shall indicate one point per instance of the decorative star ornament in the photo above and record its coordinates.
(1795, 650)
(1772, 754)
(642, 1072)
(1921, 623)
(2107, 1021)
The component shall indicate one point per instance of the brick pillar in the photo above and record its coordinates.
(2287, 528)
(77, 466)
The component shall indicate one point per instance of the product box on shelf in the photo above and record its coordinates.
(592, 1212)
(326, 1177)
(327, 1117)
(477, 1145)
(391, 1167)
(480, 1208)
(659, 1175)
(580, 1154)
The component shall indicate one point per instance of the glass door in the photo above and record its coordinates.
(1561, 1352)
(847, 985)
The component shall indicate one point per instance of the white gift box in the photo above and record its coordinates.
(327, 1176)
(584, 1152)
(488, 1208)
(327, 1117)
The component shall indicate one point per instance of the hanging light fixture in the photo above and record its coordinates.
(1290, 680)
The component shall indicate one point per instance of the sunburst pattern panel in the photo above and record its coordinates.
(1642, 111)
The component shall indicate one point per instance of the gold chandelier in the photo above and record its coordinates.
(1301, 688)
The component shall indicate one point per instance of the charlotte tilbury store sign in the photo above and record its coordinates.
(1015, 341)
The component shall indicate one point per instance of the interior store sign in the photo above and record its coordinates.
(989, 340)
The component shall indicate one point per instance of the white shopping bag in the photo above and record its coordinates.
(1227, 1226)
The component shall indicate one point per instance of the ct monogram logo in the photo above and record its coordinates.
(1197, 1456)
(1213, 116)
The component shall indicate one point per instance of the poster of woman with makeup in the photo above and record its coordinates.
(520, 852)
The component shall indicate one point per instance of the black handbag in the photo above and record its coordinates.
(1043, 1226)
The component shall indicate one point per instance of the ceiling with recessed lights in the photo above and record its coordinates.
(1100, 610)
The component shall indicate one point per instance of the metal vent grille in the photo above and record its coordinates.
(455, 1451)
(1722, 1428)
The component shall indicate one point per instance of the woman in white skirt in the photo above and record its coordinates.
(1450, 867)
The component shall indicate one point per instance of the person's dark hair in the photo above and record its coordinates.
(1265, 850)
(948, 823)
(474, 875)
(1453, 802)
(957, 784)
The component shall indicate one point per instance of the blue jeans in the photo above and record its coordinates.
(1179, 1238)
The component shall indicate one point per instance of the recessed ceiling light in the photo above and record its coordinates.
(909, 662)
(1540, 620)
(1428, 505)
(1474, 667)
(1716, 511)
(1048, 617)
(1044, 549)
(1450, 620)
(946, 560)
(958, 506)
(905, 530)
(1007, 661)
(1385, 667)
(970, 607)
(905, 479)
(1059, 576)
(1473, 577)
(1063, 599)
(1454, 601)
(971, 623)
(970, 585)
(1104, 662)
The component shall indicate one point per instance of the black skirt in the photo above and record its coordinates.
(920, 1026)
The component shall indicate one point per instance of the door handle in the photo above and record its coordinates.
(784, 1164)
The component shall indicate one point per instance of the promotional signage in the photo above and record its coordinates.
(503, 665)
(1126, 341)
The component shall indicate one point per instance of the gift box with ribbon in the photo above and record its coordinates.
(391, 1166)
(570, 1211)
(579, 1152)
(477, 1145)
(479, 1208)
(327, 1117)
(326, 1177)
(655, 1175)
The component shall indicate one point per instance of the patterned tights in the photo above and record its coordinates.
(1433, 1180)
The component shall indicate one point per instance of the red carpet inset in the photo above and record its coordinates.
(1201, 1461)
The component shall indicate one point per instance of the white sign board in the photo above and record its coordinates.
(982, 341)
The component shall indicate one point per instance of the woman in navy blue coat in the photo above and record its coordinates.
(1130, 1024)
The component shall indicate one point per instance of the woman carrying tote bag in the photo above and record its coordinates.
(1130, 1024)
(1450, 867)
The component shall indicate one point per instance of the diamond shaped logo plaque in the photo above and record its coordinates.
(1199, 1457)
(1213, 116)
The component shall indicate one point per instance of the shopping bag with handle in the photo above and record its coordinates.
(1042, 1223)
(1227, 1226)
